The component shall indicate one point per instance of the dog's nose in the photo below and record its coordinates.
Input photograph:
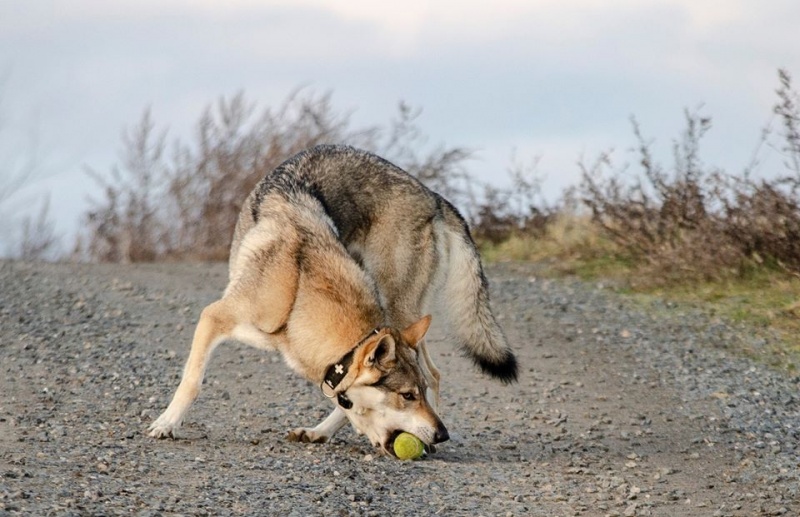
(441, 434)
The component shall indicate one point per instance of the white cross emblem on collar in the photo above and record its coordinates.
(339, 369)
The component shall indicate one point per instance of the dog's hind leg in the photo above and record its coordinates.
(321, 433)
(215, 326)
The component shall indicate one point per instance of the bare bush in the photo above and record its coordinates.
(16, 170)
(156, 207)
(682, 222)
(657, 208)
(441, 168)
(788, 110)
(31, 237)
(764, 222)
(127, 225)
(696, 222)
(38, 239)
(516, 211)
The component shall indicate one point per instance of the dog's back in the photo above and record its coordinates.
(411, 241)
(354, 187)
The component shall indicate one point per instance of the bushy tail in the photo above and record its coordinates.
(466, 303)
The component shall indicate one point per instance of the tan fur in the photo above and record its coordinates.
(293, 287)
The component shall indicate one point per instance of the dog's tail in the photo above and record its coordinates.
(465, 300)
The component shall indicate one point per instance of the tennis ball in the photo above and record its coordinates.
(408, 447)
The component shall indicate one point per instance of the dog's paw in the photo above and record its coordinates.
(163, 427)
(301, 434)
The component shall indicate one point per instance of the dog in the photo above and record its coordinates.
(337, 260)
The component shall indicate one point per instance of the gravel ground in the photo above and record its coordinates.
(620, 410)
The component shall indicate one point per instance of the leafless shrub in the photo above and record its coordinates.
(518, 210)
(127, 225)
(765, 223)
(492, 221)
(764, 218)
(185, 206)
(696, 222)
(30, 237)
(38, 239)
(16, 170)
(658, 211)
(788, 110)
(686, 221)
(441, 168)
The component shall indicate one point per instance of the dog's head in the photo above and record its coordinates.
(388, 390)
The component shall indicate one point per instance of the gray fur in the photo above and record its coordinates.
(410, 240)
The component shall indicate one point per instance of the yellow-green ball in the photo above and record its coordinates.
(408, 447)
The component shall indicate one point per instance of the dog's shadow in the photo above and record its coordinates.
(477, 450)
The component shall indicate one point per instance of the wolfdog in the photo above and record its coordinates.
(337, 259)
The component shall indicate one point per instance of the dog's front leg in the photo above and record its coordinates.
(323, 432)
(432, 375)
(215, 326)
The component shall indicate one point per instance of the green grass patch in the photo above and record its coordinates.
(763, 298)
(568, 238)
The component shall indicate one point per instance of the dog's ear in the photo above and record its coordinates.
(414, 333)
(380, 353)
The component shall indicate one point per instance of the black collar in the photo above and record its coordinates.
(338, 371)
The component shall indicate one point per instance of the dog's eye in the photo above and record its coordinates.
(408, 396)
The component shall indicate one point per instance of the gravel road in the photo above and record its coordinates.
(620, 410)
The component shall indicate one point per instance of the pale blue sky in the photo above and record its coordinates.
(558, 79)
